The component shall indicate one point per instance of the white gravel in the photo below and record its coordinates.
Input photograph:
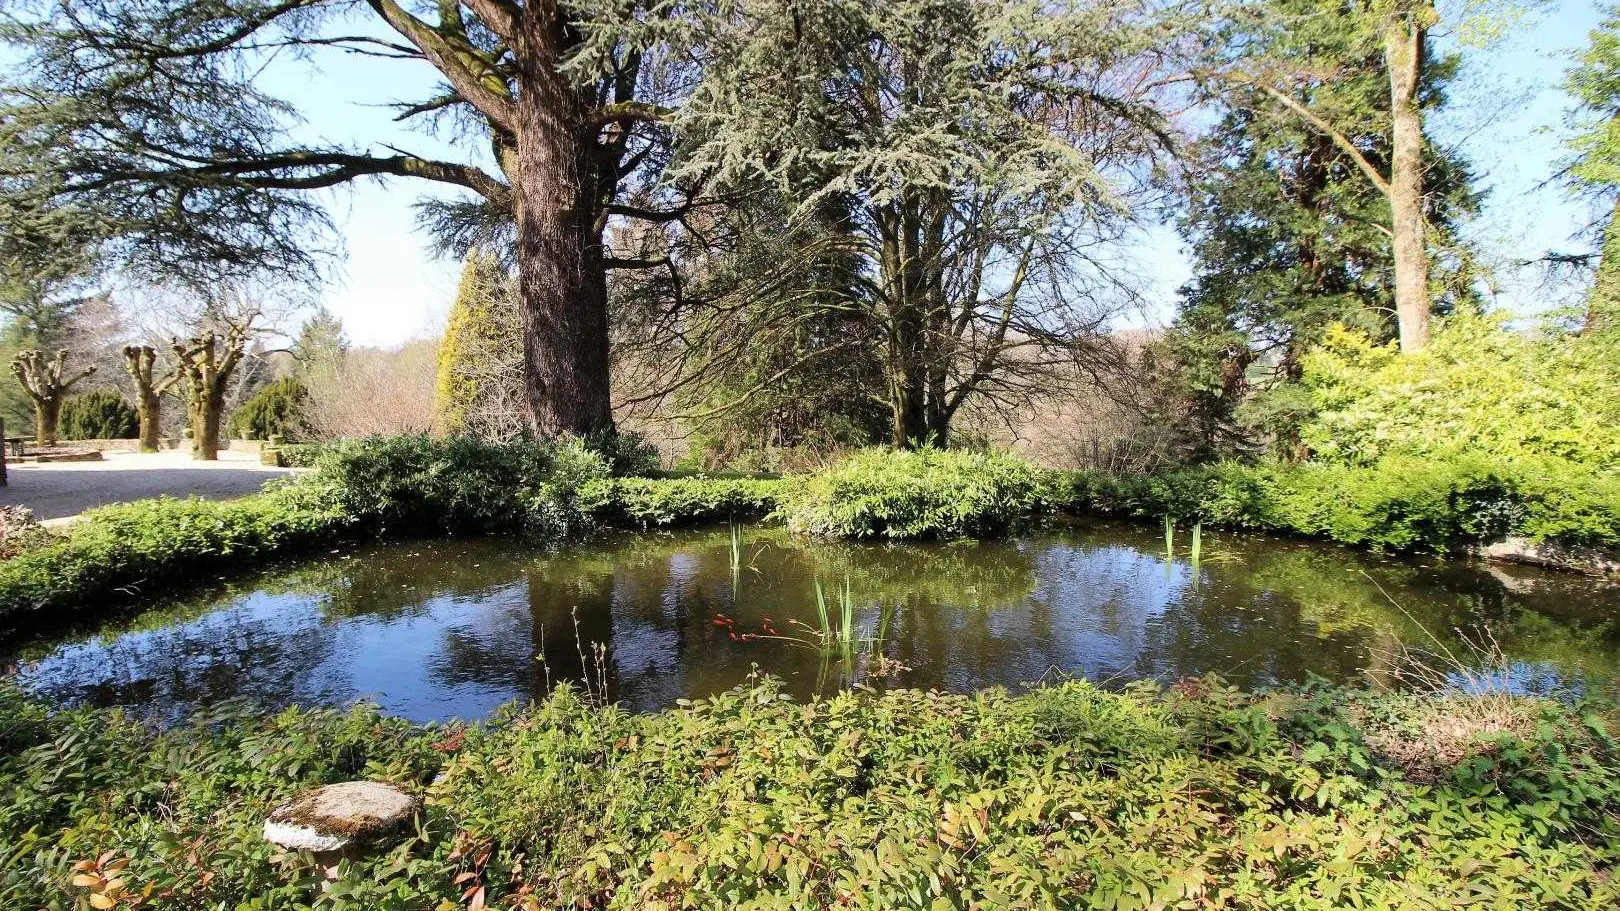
(56, 490)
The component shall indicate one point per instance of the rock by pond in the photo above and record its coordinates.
(337, 818)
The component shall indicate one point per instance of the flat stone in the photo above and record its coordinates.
(336, 817)
(1594, 561)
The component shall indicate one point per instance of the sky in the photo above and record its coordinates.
(1506, 116)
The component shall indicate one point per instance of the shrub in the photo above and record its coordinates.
(133, 547)
(1401, 503)
(365, 488)
(628, 453)
(1477, 386)
(419, 485)
(99, 415)
(1437, 502)
(923, 493)
(275, 410)
(678, 501)
(303, 455)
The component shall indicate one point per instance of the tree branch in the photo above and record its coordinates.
(1316, 122)
(456, 59)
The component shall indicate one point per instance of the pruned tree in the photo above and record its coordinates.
(47, 381)
(205, 364)
(135, 110)
(150, 387)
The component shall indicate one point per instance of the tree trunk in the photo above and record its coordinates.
(205, 431)
(150, 412)
(47, 415)
(910, 423)
(561, 282)
(1403, 55)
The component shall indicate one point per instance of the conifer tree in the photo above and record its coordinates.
(481, 360)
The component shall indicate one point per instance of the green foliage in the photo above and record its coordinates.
(1594, 82)
(99, 415)
(419, 485)
(132, 547)
(921, 493)
(481, 356)
(1476, 386)
(679, 501)
(1594, 170)
(628, 454)
(1289, 237)
(363, 488)
(303, 455)
(320, 347)
(1067, 796)
(275, 410)
(1435, 502)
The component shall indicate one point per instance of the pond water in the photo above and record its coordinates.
(433, 630)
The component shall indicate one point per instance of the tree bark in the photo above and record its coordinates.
(561, 282)
(1403, 54)
(150, 412)
(205, 434)
(47, 415)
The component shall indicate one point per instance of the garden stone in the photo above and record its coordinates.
(338, 817)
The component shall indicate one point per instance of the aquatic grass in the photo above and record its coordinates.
(840, 638)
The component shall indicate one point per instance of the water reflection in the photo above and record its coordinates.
(433, 630)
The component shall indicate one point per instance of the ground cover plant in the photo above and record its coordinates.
(1070, 796)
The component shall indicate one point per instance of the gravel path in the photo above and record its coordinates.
(56, 490)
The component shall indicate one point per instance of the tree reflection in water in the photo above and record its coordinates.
(440, 629)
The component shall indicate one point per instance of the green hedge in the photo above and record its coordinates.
(303, 455)
(1069, 797)
(397, 486)
(417, 486)
(681, 501)
(99, 415)
(1433, 503)
(923, 493)
(133, 548)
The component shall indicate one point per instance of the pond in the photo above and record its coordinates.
(432, 630)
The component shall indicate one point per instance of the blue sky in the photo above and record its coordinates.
(1507, 118)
